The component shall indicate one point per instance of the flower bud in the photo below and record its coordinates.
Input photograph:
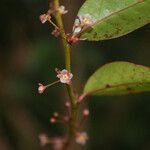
(52, 120)
(41, 88)
(86, 112)
(56, 32)
(67, 104)
(66, 118)
(56, 114)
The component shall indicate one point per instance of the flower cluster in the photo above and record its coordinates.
(65, 76)
(57, 143)
(47, 17)
(81, 137)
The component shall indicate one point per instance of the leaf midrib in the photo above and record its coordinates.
(114, 86)
(112, 14)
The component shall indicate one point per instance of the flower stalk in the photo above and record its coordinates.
(67, 52)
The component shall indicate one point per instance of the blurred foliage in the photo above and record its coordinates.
(29, 55)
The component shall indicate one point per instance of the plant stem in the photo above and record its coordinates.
(67, 51)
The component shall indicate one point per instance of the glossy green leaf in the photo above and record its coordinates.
(114, 18)
(118, 78)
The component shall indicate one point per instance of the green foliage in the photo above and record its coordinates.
(114, 18)
(118, 78)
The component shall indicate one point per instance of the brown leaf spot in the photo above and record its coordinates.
(131, 91)
(95, 35)
(128, 89)
(108, 86)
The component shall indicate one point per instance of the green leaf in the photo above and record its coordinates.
(118, 78)
(114, 18)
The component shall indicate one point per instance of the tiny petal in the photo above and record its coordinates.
(77, 22)
(65, 76)
(64, 71)
(77, 26)
(62, 10)
(59, 76)
(86, 19)
(81, 138)
(41, 88)
(77, 29)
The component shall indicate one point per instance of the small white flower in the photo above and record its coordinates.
(81, 138)
(65, 76)
(82, 21)
(62, 10)
(86, 19)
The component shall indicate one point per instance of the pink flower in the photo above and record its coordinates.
(81, 138)
(64, 76)
(41, 88)
(86, 19)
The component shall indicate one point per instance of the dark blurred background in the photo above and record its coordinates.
(29, 54)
